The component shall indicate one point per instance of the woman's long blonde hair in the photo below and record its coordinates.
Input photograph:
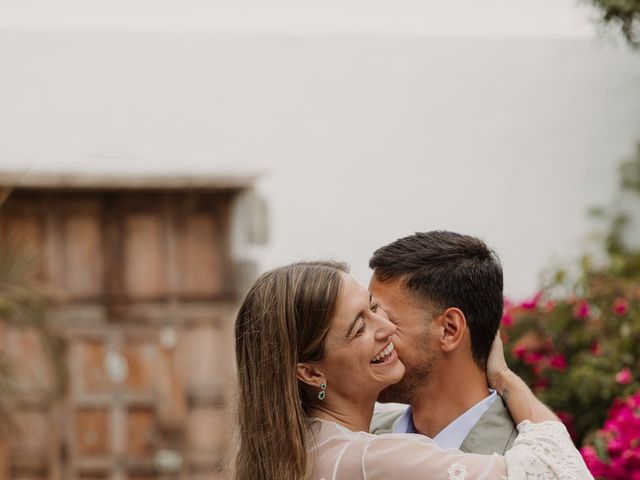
(283, 320)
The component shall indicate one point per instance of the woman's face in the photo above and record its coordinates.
(359, 356)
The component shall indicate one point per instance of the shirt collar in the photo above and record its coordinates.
(453, 434)
(404, 423)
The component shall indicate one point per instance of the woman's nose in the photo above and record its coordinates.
(386, 329)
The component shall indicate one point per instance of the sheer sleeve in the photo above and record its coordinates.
(541, 451)
(410, 457)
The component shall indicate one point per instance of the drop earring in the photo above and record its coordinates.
(323, 393)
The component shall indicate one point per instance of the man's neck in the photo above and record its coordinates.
(444, 399)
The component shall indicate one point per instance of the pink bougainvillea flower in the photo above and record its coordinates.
(519, 351)
(532, 358)
(620, 306)
(558, 361)
(507, 320)
(617, 470)
(624, 377)
(528, 305)
(615, 447)
(581, 310)
(596, 466)
(532, 303)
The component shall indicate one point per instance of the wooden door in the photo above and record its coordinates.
(148, 303)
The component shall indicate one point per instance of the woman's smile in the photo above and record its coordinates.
(385, 356)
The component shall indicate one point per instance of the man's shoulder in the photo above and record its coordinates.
(494, 432)
(385, 416)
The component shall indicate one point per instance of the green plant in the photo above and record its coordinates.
(625, 14)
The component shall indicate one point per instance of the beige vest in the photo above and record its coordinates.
(493, 433)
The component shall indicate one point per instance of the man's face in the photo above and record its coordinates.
(414, 343)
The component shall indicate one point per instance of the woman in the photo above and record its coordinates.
(313, 352)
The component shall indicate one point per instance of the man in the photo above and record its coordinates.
(443, 290)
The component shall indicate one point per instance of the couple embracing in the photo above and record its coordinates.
(315, 351)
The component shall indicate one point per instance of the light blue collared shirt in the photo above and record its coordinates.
(453, 434)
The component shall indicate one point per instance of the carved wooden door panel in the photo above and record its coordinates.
(110, 407)
(147, 401)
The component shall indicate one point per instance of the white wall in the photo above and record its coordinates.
(360, 138)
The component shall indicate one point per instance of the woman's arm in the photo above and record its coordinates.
(541, 451)
(543, 448)
(520, 400)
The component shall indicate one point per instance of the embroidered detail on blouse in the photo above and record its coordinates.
(457, 471)
(544, 451)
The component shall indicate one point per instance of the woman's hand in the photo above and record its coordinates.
(521, 402)
(496, 364)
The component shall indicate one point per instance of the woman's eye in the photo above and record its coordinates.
(374, 307)
(361, 329)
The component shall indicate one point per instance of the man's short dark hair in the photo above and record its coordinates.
(447, 269)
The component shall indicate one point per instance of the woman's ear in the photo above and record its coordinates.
(309, 374)
(453, 326)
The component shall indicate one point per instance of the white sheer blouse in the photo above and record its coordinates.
(542, 451)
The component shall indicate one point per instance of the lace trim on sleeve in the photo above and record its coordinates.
(544, 451)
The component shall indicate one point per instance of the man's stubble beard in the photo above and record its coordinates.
(414, 380)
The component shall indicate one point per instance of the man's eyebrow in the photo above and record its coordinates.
(358, 317)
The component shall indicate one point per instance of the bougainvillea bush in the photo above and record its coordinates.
(578, 353)
(581, 355)
(577, 344)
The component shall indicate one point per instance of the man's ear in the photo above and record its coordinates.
(309, 374)
(453, 325)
